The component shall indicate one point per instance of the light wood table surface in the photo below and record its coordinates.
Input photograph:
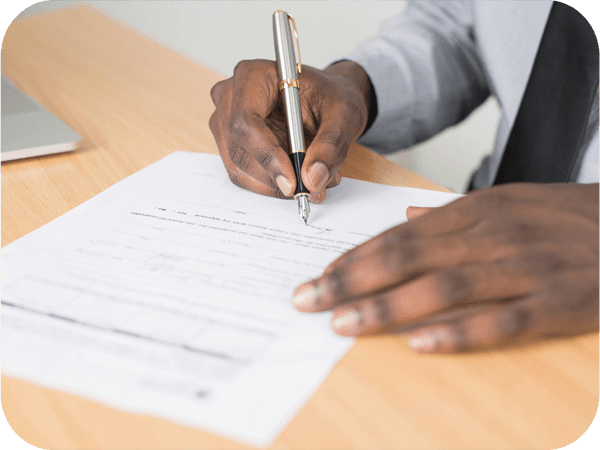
(134, 101)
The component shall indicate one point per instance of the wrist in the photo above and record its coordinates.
(360, 82)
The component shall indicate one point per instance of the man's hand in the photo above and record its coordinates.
(496, 265)
(250, 129)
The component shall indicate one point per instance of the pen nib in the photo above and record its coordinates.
(303, 208)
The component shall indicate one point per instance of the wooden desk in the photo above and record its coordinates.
(134, 101)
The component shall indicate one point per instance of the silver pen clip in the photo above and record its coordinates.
(293, 22)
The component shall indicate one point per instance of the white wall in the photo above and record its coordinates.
(221, 33)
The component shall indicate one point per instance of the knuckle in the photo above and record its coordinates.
(454, 285)
(515, 321)
(336, 145)
(265, 158)
(239, 157)
(523, 232)
(346, 258)
(241, 67)
(382, 310)
(397, 236)
(239, 128)
(459, 341)
(336, 284)
(400, 257)
(217, 90)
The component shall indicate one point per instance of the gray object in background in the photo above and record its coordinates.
(28, 129)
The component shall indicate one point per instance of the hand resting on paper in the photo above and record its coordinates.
(249, 126)
(497, 265)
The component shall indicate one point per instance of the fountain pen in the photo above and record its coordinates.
(288, 70)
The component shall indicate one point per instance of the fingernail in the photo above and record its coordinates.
(336, 181)
(347, 321)
(284, 185)
(318, 174)
(307, 297)
(422, 343)
(315, 197)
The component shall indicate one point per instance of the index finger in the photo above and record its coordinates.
(394, 265)
(255, 96)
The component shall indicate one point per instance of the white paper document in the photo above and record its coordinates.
(169, 294)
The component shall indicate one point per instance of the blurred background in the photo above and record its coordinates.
(221, 33)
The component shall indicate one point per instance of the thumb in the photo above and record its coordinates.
(412, 212)
(327, 151)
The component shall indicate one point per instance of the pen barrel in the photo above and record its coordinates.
(293, 117)
(286, 70)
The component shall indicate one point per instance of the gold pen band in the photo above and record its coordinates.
(289, 82)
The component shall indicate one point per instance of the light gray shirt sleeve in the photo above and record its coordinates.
(425, 70)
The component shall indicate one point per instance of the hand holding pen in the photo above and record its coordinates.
(251, 131)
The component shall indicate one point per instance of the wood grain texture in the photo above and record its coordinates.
(134, 101)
